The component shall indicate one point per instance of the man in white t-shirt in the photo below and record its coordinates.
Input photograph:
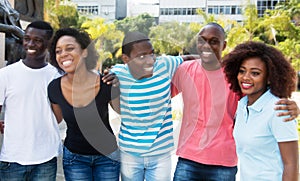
(31, 140)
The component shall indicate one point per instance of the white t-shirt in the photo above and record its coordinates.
(31, 133)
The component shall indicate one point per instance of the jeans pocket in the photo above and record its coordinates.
(115, 156)
(68, 157)
(4, 165)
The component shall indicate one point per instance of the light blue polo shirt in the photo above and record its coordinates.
(257, 133)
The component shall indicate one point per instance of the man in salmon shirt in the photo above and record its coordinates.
(206, 147)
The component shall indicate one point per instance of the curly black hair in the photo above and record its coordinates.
(282, 76)
(85, 42)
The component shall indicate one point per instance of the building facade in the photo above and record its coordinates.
(97, 8)
(175, 10)
(186, 11)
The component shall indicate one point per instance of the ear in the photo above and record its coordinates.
(85, 53)
(224, 45)
(125, 58)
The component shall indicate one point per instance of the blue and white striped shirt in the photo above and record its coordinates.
(146, 117)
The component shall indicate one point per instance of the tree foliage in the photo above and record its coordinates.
(278, 27)
(107, 39)
(141, 23)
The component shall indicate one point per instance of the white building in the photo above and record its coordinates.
(185, 11)
(137, 7)
(170, 10)
(97, 8)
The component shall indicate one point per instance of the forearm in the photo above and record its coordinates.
(290, 172)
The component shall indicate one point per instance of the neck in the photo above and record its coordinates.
(35, 63)
(211, 66)
(79, 76)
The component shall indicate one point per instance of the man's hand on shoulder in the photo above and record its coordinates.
(291, 108)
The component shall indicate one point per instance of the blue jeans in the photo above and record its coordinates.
(150, 168)
(190, 170)
(39, 172)
(91, 167)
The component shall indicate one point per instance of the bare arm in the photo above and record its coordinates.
(190, 57)
(115, 93)
(115, 104)
(290, 158)
(291, 107)
(57, 112)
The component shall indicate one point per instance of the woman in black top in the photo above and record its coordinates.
(81, 98)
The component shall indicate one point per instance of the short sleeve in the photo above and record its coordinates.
(284, 131)
(53, 90)
(172, 63)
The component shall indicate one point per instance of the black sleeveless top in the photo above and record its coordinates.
(88, 128)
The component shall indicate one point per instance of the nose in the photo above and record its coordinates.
(62, 53)
(150, 59)
(30, 43)
(246, 76)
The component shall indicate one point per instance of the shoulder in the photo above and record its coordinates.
(168, 58)
(191, 66)
(54, 84)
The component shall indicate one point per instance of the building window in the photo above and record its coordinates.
(194, 11)
(88, 9)
(227, 10)
(184, 11)
(222, 10)
(171, 11)
(176, 11)
(189, 11)
(215, 10)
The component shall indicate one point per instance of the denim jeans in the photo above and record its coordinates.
(150, 168)
(91, 167)
(190, 170)
(39, 172)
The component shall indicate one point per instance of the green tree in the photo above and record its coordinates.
(141, 23)
(170, 38)
(107, 39)
(67, 16)
(50, 14)
(61, 14)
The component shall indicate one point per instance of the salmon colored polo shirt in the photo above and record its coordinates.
(208, 116)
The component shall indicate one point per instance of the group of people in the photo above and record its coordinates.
(37, 96)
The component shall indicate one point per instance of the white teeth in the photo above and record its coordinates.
(148, 69)
(247, 85)
(206, 53)
(66, 63)
(31, 51)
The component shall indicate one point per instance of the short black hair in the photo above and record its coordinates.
(130, 39)
(217, 26)
(42, 25)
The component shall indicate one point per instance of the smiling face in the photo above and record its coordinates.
(252, 78)
(211, 42)
(35, 43)
(141, 60)
(69, 54)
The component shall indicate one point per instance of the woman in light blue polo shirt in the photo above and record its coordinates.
(267, 147)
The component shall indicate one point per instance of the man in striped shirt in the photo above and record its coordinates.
(146, 133)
